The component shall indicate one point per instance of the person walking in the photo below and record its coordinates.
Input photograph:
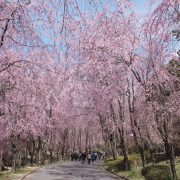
(93, 157)
(99, 155)
(89, 158)
(80, 156)
(83, 157)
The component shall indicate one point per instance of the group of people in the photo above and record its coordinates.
(89, 156)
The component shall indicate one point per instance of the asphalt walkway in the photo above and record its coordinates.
(72, 171)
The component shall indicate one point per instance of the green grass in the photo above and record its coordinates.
(21, 172)
(18, 174)
(116, 166)
(134, 173)
(178, 168)
(157, 172)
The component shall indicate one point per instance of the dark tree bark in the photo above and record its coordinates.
(134, 125)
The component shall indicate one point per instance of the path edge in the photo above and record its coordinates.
(125, 178)
(30, 173)
(40, 168)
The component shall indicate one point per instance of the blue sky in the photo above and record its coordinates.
(143, 6)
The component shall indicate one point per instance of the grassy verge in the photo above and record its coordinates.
(21, 172)
(18, 174)
(115, 166)
(177, 166)
(134, 174)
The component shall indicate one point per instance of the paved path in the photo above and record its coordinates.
(72, 171)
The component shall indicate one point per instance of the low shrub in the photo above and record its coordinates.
(177, 150)
(157, 172)
(118, 164)
(158, 157)
(115, 166)
(134, 161)
(108, 159)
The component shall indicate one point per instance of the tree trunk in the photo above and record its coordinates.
(37, 154)
(1, 162)
(43, 158)
(80, 149)
(14, 162)
(142, 154)
(65, 136)
(13, 157)
(32, 151)
(113, 150)
(87, 136)
(134, 125)
(19, 159)
(170, 154)
(103, 131)
(125, 154)
(152, 156)
(51, 155)
(31, 159)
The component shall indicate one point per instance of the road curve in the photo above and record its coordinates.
(72, 171)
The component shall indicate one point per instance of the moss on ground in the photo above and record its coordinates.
(157, 172)
(178, 168)
(115, 166)
(133, 174)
